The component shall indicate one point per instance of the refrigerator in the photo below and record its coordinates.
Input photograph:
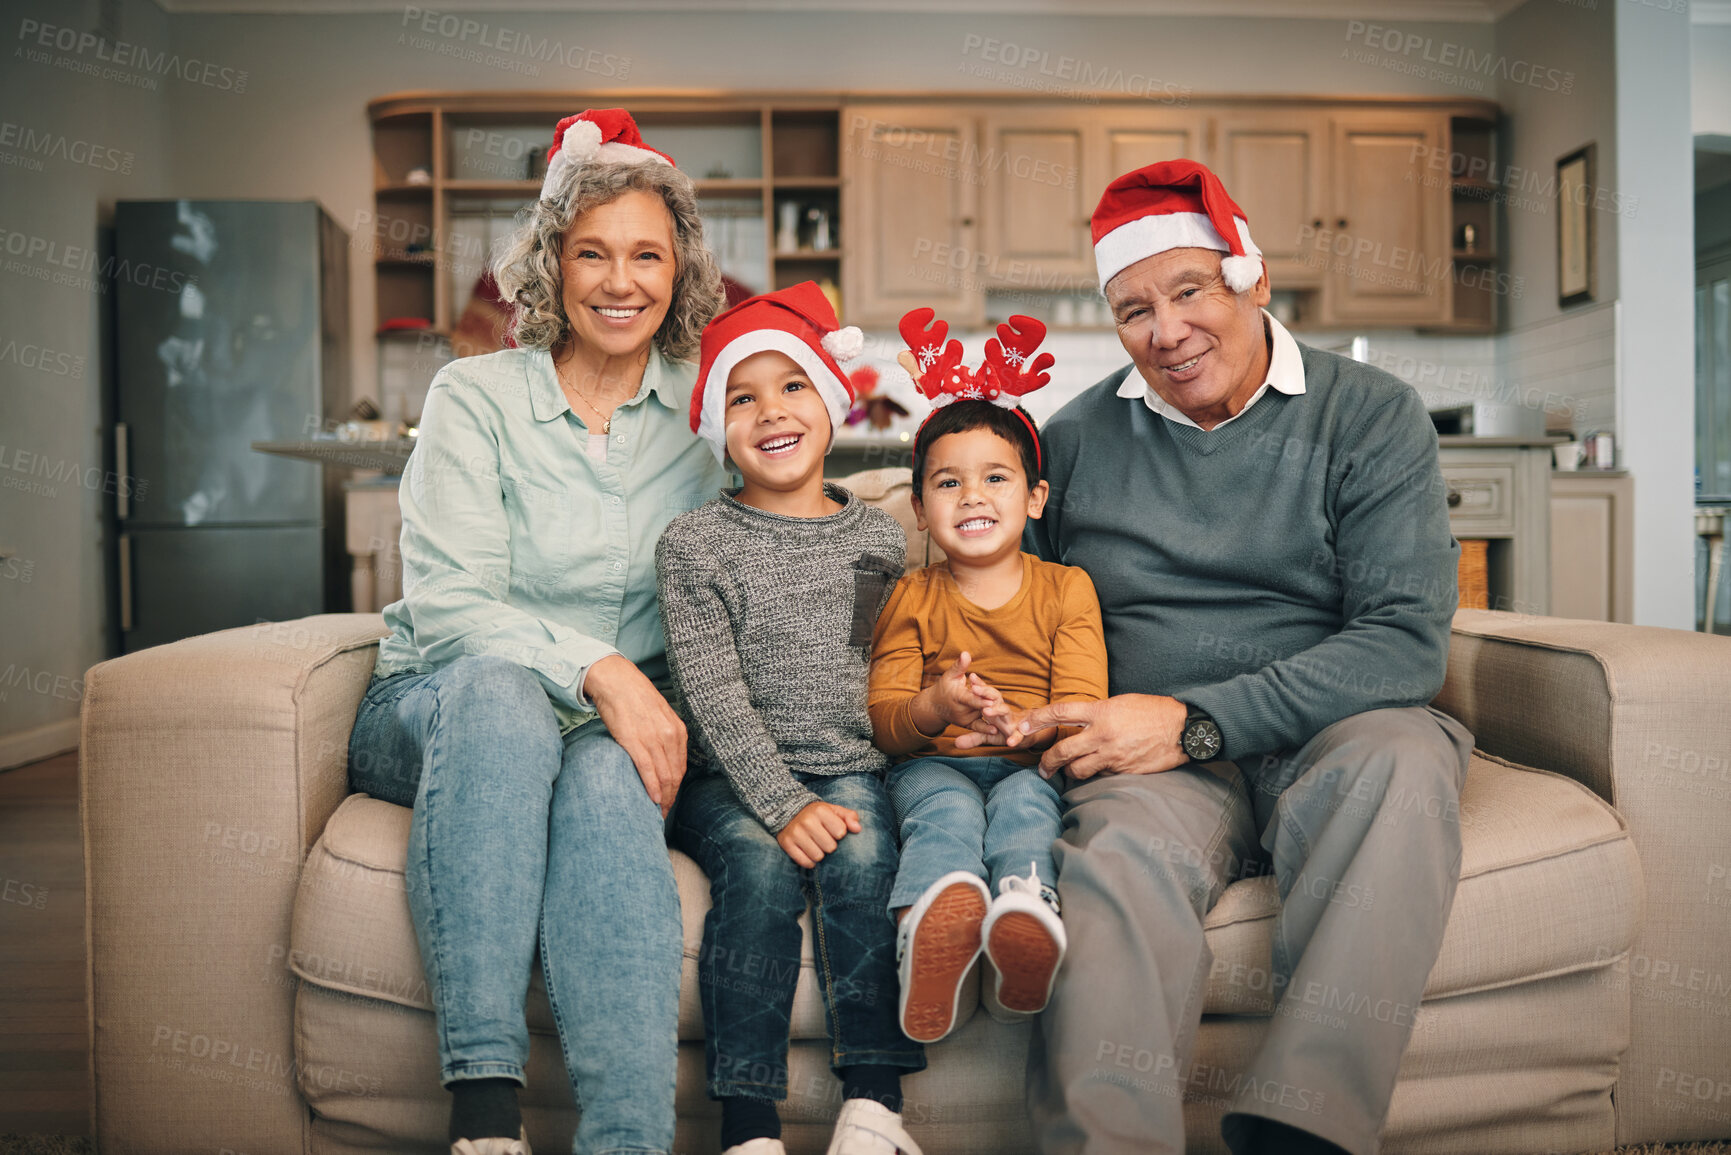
(231, 326)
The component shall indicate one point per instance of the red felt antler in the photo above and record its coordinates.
(1013, 367)
(937, 364)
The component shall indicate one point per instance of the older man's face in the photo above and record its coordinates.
(1196, 342)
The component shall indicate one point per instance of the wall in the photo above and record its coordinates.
(1710, 78)
(327, 67)
(54, 462)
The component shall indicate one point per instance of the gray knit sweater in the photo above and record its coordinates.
(769, 626)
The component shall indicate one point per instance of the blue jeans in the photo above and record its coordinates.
(992, 817)
(523, 839)
(750, 961)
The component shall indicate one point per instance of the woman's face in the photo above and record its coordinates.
(617, 267)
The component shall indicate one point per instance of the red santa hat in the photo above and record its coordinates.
(597, 135)
(796, 321)
(1173, 204)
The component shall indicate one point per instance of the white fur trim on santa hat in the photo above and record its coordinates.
(581, 144)
(1145, 236)
(712, 422)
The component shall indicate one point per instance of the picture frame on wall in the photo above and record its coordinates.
(1575, 226)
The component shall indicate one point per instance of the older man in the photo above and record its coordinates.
(1266, 528)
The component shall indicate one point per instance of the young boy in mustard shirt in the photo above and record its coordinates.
(963, 650)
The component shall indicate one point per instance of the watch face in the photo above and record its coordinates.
(1202, 739)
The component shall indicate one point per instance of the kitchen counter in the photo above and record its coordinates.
(387, 456)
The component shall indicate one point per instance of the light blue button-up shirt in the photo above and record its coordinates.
(518, 544)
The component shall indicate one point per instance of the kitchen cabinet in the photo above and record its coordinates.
(910, 192)
(1035, 164)
(1499, 492)
(1387, 246)
(1593, 546)
(1274, 164)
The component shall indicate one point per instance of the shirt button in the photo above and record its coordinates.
(619, 438)
(612, 501)
(617, 566)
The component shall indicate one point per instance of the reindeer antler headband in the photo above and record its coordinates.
(1009, 372)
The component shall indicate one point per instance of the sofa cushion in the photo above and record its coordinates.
(1550, 884)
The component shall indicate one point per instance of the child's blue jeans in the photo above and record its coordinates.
(749, 963)
(992, 817)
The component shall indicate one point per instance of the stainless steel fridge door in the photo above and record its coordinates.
(176, 583)
(218, 345)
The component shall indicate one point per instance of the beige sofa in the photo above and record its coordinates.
(255, 985)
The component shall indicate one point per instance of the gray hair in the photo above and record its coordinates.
(527, 263)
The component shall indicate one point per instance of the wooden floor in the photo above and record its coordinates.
(44, 1048)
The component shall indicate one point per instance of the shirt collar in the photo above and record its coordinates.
(661, 378)
(1285, 375)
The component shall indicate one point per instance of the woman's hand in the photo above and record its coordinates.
(958, 698)
(641, 721)
(815, 831)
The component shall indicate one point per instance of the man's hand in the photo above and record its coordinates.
(641, 721)
(1005, 722)
(957, 699)
(815, 831)
(1124, 734)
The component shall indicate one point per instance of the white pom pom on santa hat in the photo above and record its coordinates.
(844, 344)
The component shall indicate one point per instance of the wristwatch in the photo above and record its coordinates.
(1201, 737)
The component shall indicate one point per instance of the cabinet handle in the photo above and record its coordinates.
(1454, 498)
(122, 489)
(125, 583)
(967, 222)
(1341, 223)
(1317, 223)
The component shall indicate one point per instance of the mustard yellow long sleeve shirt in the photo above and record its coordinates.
(1043, 645)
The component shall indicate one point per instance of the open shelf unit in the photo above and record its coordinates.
(1476, 200)
(479, 157)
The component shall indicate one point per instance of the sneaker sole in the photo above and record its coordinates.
(943, 948)
(1026, 958)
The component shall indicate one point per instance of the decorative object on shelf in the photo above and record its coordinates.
(718, 171)
(1468, 238)
(1599, 451)
(821, 241)
(829, 289)
(878, 410)
(1575, 226)
(484, 326)
(536, 162)
(787, 232)
(404, 324)
(1567, 456)
(418, 176)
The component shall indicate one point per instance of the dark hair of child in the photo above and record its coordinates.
(961, 416)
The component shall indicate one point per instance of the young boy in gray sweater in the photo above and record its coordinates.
(769, 596)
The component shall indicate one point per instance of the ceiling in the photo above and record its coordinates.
(1468, 11)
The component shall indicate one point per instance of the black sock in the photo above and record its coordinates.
(743, 1120)
(485, 1109)
(873, 1081)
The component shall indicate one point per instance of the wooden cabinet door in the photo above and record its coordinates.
(1275, 166)
(1386, 252)
(910, 179)
(1126, 138)
(1033, 171)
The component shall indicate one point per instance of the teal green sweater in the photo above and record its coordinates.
(1281, 572)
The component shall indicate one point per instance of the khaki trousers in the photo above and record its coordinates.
(1361, 829)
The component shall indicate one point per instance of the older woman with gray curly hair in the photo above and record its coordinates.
(518, 702)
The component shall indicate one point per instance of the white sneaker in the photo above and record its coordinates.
(757, 1147)
(517, 1146)
(867, 1127)
(1025, 941)
(936, 945)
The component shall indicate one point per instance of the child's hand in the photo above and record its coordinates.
(1005, 722)
(956, 699)
(815, 831)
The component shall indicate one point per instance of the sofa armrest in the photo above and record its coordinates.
(1642, 716)
(208, 767)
